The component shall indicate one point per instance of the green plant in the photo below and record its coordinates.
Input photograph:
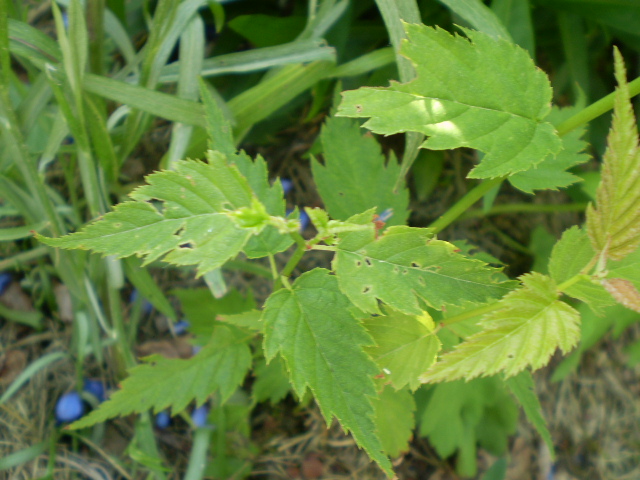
(75, 113)
(346, 332)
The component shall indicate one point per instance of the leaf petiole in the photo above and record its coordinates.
(594, 110)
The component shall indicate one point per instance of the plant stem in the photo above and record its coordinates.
(594, 110)
(525, 207)
(464, 203)
(584, 116)
(573, 280)
(293, 261)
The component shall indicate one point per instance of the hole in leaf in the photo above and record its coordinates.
(368, 261)
(405, 271)
(366, 290)
(396, 269)
(415, 265)
(358, 263)
(358, 108)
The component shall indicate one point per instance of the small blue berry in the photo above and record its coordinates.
(304, 220)
(199, 416)
(5, 281)
(146, 305)
(181, 327)
(287, 185)
(95, 388)
(163, 420)
(69, 407)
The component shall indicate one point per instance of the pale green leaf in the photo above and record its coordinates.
(181, 214)
(169, 382)
(394, 420)
(628, 268)
(593, 328)
(458, 415)
(322, 345)
(354, 177)
(614, 224)
(406, 265)
(570, 255)
(523, 389)
(479, 92)
(269, 241)
(552, 173)
(405, 347)
(525, 331)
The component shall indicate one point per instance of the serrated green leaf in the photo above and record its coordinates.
(181, 214)
(528, 328)
(219, 130)
(614, 224)
(407, 264)
(405, 347)
(272, 382)
(251, 320)
(354, 177)
(322, 345)
(269, 241)
(201, 309)
(479, 92)
(552, 173)
(570, 255)
(394, 420)
(523, 389)
(169, 382)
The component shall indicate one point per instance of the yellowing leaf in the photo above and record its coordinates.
(322, 345)
(525, 332)
(614, 224)
(406, 265)
(405, 347)
(180, 214)
(477, 92)
(624, 292)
